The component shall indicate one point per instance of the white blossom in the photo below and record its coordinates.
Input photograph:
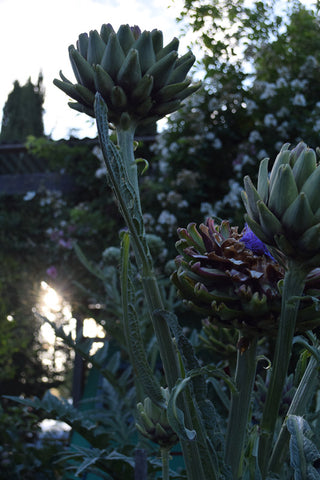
(217, 144)
(270, 120)
(97, 152)
(206, 209)
(174, 147)
(298, 84)
(269, 91)
(29, 196)
(148, 220)
(283, 129)
(254, 136)
(233, 198)
(163, 166)
(262, 154)
(310, 63)
(282, 112)
(166, 221)
(183, 204)
(101, 172)
(281, 82)
(299, 100)
(250, 105)
(210, 136)
(167, 218)
(240, 161)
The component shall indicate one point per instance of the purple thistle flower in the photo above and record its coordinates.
(253, 243)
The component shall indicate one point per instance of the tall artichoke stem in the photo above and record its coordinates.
(293, 286)
(298, 406)
(240, 407)
(166, 347)
(191, 454)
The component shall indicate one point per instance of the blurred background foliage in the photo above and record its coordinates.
(260, 67)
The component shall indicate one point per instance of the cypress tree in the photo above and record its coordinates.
(22, 113)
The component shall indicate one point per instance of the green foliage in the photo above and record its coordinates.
(24, 455)
(226, 27)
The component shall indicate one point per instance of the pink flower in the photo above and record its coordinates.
(52, 272)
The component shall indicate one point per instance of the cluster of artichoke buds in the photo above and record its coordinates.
(138, 77)
(153, 424)
(284, 210)
(221, 277)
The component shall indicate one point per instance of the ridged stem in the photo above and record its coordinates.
(125, 141)
(240, 408)
(298, 406)
(166, 346)
(293, 286)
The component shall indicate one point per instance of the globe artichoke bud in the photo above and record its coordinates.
(284, 210)
(231, 278)
(139, 79)
(153, 423)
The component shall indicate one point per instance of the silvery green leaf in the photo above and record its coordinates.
(175, 414)
(303, 452)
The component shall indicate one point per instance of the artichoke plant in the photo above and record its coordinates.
(284, 210)
(138, 77)
(230, 277)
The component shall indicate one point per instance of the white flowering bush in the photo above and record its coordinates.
(243, 114)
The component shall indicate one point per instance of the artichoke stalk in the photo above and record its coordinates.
(284, 212)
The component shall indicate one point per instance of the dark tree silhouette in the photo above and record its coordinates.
(22, 113)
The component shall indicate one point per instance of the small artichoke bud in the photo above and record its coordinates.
(138, 78)
(284, 209)
(231, 278)
(153, 424)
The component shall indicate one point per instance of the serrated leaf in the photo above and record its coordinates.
(135, 345)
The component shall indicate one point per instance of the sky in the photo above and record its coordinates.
(35, 35)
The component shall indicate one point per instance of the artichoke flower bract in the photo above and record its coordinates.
(284, 209)
(138, 77)
(231, 278)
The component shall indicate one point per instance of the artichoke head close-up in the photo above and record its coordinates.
(139, 78)
(284, 209)
(231, 278)
(153, 424)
